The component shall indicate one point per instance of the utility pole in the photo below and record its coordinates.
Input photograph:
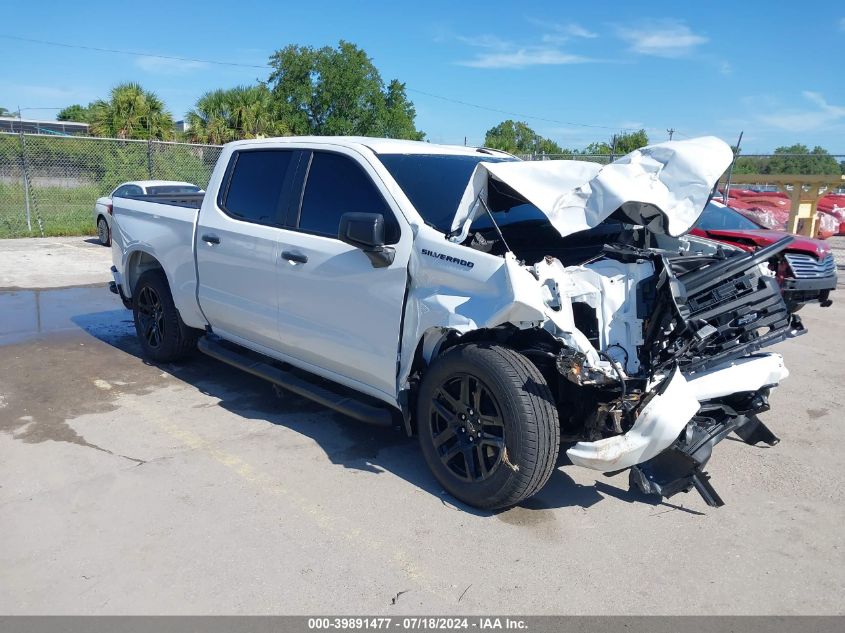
(671, 131)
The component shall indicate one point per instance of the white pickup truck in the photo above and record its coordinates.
(493, 307)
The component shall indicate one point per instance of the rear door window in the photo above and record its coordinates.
(255, 185)
(336, 185)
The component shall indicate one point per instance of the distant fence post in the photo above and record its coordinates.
(150, 157)
(25, 176)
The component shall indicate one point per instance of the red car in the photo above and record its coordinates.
(806, 270)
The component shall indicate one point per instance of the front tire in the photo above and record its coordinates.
(163, 335)
(488, 426)
(103, 232)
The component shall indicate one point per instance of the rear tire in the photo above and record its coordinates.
(488, 426)
(103, 232)
(163, 335)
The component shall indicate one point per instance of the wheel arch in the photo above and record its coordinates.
(438, 339)
(137, 263)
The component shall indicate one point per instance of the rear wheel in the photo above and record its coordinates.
(487, 425)
(163, 335)
(103, 233)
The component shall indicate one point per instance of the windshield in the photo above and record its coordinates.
(434, 183)
(172, 189)
(505, 217)
(719, 218)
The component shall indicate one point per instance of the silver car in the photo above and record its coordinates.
(135, 188)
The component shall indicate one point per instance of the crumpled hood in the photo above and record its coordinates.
(663, 187)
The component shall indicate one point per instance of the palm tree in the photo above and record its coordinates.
(131, 112)
(208, 121)
(221, 116)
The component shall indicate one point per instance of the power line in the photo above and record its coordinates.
(265, 66)
(516, 114)
(136, 53)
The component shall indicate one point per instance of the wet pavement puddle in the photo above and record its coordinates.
(57, 355)
(28, 314)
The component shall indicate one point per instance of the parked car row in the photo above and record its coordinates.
(770, 209)
(805, 270)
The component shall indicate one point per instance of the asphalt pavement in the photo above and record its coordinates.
(133, 488)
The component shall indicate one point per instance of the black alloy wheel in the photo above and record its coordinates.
(467, 428)
(163, 335)
(151, 317)
(487, 424)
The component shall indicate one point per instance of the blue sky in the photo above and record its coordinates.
(771, 69)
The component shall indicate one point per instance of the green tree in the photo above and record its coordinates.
(221, 116)
(517, 138)
(75, 112)
(619, 144)
(799, 159)
(339, 90)
(399, 114)
(131, 112)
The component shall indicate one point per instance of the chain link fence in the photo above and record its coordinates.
(48, 184)
(602, 159)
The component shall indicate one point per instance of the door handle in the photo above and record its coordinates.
(211, 239)
(294, 257)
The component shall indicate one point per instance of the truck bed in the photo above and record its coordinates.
(163, 227)
(190, 200)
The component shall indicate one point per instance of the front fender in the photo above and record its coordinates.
(455, 288)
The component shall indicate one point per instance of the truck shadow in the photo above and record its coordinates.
(344, 441)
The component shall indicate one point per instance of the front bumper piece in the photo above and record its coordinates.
(673, 435)
(812, 279)
(798, 291)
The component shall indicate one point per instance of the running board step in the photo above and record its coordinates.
(379, 416)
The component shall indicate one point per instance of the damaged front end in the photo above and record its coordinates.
(674, 378)
(680, 467)
(655, 338)
(705, 309)
(673, 434)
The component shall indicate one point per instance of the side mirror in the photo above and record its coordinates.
(366, 231)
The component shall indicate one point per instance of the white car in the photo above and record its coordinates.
(492, 307)
(103, 207)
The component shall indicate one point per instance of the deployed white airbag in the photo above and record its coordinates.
(663, 187)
